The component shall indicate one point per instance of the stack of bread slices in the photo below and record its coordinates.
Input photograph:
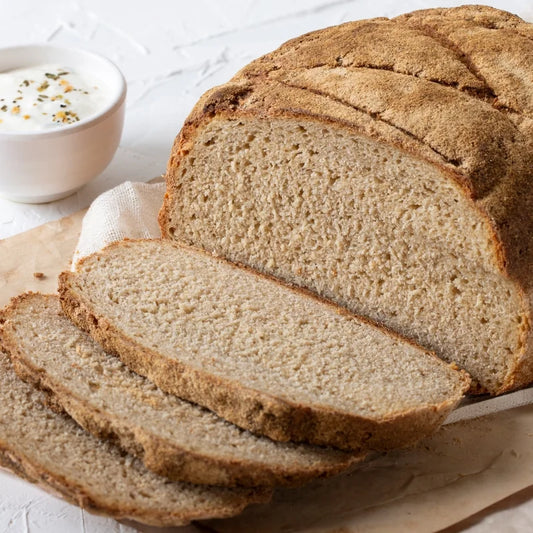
(185, 378)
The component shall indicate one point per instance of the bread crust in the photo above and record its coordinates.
(480, 135)
(250, 409)
(158, 454)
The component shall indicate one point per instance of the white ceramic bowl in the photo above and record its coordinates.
(42, 166)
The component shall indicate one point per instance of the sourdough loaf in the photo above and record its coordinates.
(271, 359)
(174, 438)
(386, 165)
(52, 450)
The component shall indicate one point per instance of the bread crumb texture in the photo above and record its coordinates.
(52, 450)
(173, 437)
(252, 349)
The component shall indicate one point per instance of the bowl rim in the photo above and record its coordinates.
(117, 98)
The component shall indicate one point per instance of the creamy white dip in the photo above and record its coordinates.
(45, 97)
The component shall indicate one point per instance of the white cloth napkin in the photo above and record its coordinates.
(130, 211)
(127, 211)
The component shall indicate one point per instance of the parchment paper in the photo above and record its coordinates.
(47, 250)
(464, 468)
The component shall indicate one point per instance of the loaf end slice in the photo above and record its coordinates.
(271, 359)
(173, 437)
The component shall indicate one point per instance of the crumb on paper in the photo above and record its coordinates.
(38, 275)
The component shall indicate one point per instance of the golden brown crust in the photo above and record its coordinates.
(159, 455)
(458, 93)
(254, 410)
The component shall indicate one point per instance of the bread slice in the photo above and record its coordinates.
(385, 165)
(174, 438)
(52, 450)
(273, 360)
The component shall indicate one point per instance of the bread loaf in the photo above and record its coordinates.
(386, 165)
(174, 438)
(273, 360)
(52, 450)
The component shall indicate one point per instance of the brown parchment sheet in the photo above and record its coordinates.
(464, 468)
(46, 250)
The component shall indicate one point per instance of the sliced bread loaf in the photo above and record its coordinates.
(52, 450)
(173, 437)
(271, 359)
(387, 166)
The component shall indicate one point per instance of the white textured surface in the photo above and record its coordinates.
(170, 52)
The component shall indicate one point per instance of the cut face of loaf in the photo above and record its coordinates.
(52, 450)
(393, 180)
(268, 358)
(173, 437)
